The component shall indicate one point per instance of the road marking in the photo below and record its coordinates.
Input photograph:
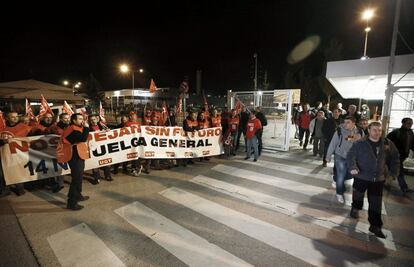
(80, 246)
(358, 231)
(298, 157)
(182, 243)
(288, 168)
(309, 190)
(303, 248)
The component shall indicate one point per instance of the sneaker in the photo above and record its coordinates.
(377, 231)
(109, 179)
(255, 160)
(135, 173)
(354, 213)
(340, 198)
(246, 158)
(333, 184)
(300, 143)
(325, 163)
(95, 181)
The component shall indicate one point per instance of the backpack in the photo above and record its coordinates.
(339, 132)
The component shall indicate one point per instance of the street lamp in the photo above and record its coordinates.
(367, 15)
(124, 68)
(255, 72)
(74, 85)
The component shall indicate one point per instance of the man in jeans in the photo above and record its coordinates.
(252, 127)
(341, 143)
(370, 161)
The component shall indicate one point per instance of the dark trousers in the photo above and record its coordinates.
(374, 199)
(77, 166)
(106, 170)
(238, 139)
(303, 132)
(259, 135)
(400, 178)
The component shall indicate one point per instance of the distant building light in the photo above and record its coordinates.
(117, 93)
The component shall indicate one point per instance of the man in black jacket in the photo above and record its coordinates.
(403, 138)
(75, 134)
(244, 118)
(370, 161)
(263, 121)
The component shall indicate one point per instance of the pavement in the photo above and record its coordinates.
(279, 211)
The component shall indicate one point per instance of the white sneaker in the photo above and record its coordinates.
(333, 184)
(135, 172)
(340, 198)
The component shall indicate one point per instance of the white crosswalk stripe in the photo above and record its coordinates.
(80, 246)
(280, 182)
(306, 172)
(295, 157)
(309, 250)
(289, 168)
(358, 230)
(182, 243)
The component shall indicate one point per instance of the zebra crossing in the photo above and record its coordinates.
(229, 179)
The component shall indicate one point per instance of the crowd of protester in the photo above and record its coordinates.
(74, 130)
(360, 153)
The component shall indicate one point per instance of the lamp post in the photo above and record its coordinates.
(73, 85)
(367, 15)
(124, 68)
(255, 71)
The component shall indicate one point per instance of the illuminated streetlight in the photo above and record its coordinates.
(367, 15)
(124, 68)
(74, 85)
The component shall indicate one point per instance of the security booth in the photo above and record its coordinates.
(367, 79)
(277, 106)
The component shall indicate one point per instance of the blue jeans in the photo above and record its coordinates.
(252, 142)
(341, 174)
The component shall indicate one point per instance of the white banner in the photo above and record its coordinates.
(33, 158)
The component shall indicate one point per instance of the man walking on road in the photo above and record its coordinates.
(340, 144)
(403, 138)
(370, 161)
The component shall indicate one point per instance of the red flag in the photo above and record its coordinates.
(67, 109)
(83, 112)
(44, 107)
(206, 113)
(2, 121)
(29, 111)
(102, 113)
(152, 87)
(238, 106)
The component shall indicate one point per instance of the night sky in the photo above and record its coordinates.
(173, 40)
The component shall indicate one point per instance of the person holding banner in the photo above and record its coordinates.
(124, 120)
(203, 123)
(135, 164)
(58, 128)
(252, 128)
(74, 138)
(95, 125)
(13, 129)
(190, 124)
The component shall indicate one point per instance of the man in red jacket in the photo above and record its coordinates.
(252, 127)
(303, 121)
